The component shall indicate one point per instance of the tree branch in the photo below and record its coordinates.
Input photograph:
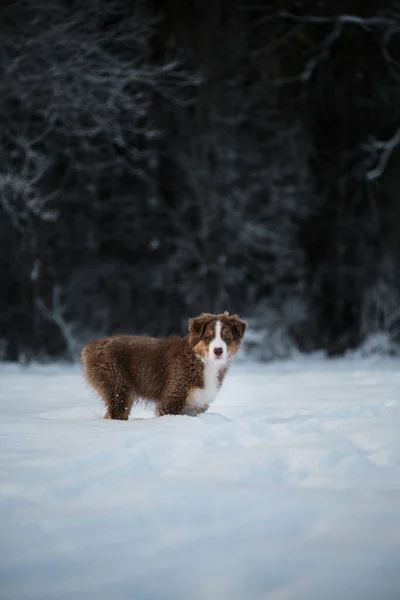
(384, 149)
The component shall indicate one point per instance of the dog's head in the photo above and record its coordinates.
(216, 337)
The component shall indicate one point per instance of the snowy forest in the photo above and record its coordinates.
(161, 159)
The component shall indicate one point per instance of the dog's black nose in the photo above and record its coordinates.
(218, 351)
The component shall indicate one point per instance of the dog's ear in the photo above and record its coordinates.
(238, 325)
(198, 324)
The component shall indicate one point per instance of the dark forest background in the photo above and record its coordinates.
(161, 159)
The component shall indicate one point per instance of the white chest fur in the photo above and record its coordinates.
(202, 397)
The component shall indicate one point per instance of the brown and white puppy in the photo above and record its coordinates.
(181, 375)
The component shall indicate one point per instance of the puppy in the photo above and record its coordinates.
(180, 375)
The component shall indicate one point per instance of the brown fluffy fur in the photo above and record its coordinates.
(124, 368)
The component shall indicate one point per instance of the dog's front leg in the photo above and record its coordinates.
(193, 411)
(173, 403)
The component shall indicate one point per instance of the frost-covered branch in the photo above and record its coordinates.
(364, 22)
(317, 58)
(56, 313)
(389, 25)
(85, 87)
(383, 149)
(20, 191)
(81, 96)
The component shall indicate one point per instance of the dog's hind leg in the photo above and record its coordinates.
(109, 380)
(116, 394)
(123, 410)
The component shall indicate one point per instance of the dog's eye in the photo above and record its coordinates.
(227, 337)
(208, 336)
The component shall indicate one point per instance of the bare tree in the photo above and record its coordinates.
(78, 85)
(244, 182)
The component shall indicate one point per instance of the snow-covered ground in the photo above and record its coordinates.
(288, 488)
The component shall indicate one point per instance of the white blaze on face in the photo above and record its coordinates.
(218, 350)
(216, 360)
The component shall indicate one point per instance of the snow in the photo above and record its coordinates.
(288, 488)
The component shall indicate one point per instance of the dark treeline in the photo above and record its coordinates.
(161, 159)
